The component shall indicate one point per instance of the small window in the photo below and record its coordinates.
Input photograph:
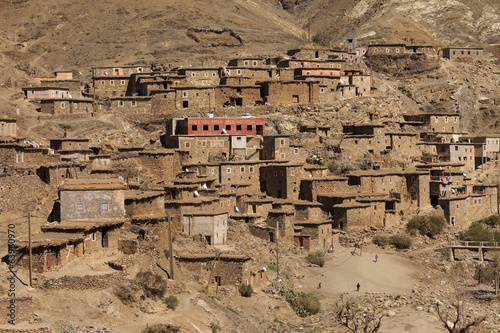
(249, 127)
(228, 170)
(184, 94)
(228, 127)
(193, 74)
(112, 82)
(203, 143)
(283, 156)
(102, 82)
(133, 103)
(238, 71)
(238, 127)
(122, 82)
(242, 169)
(104, 207)
(205, 127)
(255, 63)
(246, 63)
(251, 170)
(188, 145)
(79, 207)
(194, 127)
(62, 105)
(120, 103)
(216, 127)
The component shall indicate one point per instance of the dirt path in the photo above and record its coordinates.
(391, 274)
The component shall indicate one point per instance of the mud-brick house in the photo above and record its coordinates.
(38, 93)
(385, 49)
(186, 206)
(457, 152)
(62, 79)
(130, 104)
(290, 92)
(224, 269)
(404, 144)
(477, 202)
(453, 53)
(210, 224)
(281, 180)
(253, 73)
(233, 126)
(256, 205)
(57, 106)
(362, 82)
(8, 127)
(307, 210)
(313, 234)
(114, 81)
(55, 173)
(248, 62)
(486, 148)
(311, 187)
(200, 76)
(280, 148)
(309, 53)
(194, 97)
(233, 95)
(436, 122)
(71, 149)
(281, 222)
(92, 198)
(163, 164)
(359, 140)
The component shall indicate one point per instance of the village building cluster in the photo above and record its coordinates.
(212, 171)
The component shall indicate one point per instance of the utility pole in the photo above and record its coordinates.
(29, 247)
(170, 247)
(217, 276)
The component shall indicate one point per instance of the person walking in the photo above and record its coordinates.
(358, 286)
(376, 257)
(65, 134)
(319, 285)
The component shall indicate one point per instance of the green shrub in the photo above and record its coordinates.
(316, 257)
(245, 290)
(171, 302)
(401, 242)
(167, 253)
(477, 232)
(427, 225)
(380, 240)
(304, 304)
(153, 284)
(492, 221)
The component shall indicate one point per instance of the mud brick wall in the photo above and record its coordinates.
(163, 165)
(24, 310)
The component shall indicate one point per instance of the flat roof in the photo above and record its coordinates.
(207, 213)
(82, 184)
(138, 195)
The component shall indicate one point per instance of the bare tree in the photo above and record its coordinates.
(452, 314)
(357, 320)
(495, 265)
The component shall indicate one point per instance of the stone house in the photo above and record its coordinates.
(211, 224)
(143, 203)
(486, 148)
(163, 164)
(254, 74)
(200, 76)
(313, 234)
(225, 269)
(311, 187)
(38, 93)
(55, 173)
(279, 148)
(194, 97)
(187, 206)
(362, 82)
(308, 210)
(281, 223)
(114, 81)
(71, 149)
(404, 144)
(436, 122)
(290, 92)
(385, 49)
(247, 62)
(57, 106)
(309, 53)
(457, 152)
(130, 104)
(362, 139)
(311, 63)
(232, 126)
(453, 53)
(8, 127)
(281, 180)
(232, 95)
(92, 198)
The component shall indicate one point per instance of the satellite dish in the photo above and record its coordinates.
(196, 193)
(264, 269)
(236, 209)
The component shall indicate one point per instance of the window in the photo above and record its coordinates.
(193, 74)
(238, 127)
(139, 69)
(188, 145)
(397, 50)
(246, 63)
(238, 71)
(456, 148)
(205, 127)
(212, 171)
(251, 170)
(445, 119)
(283, 156)
(120, 103)
(184, 94)
(216, 127)
(112, 82)
(62, 105)
(79, 207)
(122, 82)
(296, 151)
(255, 63)
(133, 103)
(75, 105)
(203, 143)
(242, 169)
(228, 170)
(228, 127)
(454, 119)
(104, 207)
(194, 127)
(386, 50)
(102, 82)
(249, 127)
